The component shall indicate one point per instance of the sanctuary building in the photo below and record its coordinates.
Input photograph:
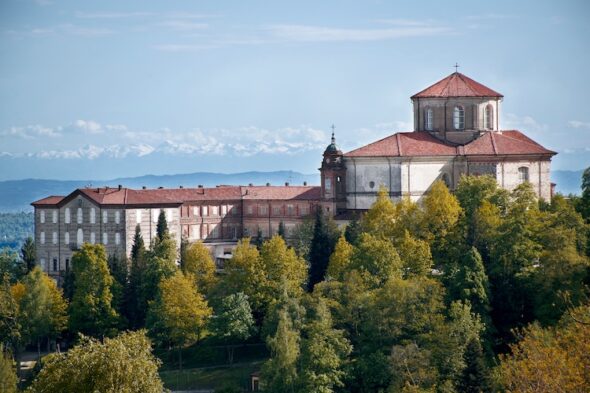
(456, 132)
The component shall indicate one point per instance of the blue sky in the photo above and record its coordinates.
(102, 89)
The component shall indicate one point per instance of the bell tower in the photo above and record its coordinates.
(333, 177)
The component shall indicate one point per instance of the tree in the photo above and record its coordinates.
(324, 352)
(42, 309)
(233, 321)
(280, 371)
(414, 254)
(380, 219)
(377, 259)
(11, 264)
(8, 377)
(353, 230)
(441, 213)
(29, 254)
(121, 364)
(162, 225)
(178, 314)
(340, 259)
(135, 303)
(476, 375)
(282, 232)
(551, 359)
(10, 328)
(199, 264)
(91, 309)
(301, 237)
(283, 268)
(325, 235)
(119, 270)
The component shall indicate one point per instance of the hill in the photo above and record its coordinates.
(16, 195)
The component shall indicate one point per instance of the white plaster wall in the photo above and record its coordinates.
(539, 176)
(360, 172)
(149, 223)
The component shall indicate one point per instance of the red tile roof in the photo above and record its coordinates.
(281, 192)
(50, 200)
(420, 143)
(457, 85)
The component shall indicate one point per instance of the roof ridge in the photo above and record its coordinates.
(399, 144)
(493, 143)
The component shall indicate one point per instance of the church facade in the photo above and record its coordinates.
(456, 132)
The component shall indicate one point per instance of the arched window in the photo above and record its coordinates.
(67, 238)
(79, 237)
(488, 117)
(428, 117)
(92, 216)
(523, 174)
(459, 117)
(79, 215)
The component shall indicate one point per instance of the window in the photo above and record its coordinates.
(67, 215)
(194, 232)
(67, 264)
(42, 216)
(42, 237)
(233, 209)
(263, 210)
(372, 184)
(92, 238)
(459, 118)
(117, 217)
(204, 231)
(117, 238)
(205, 211)
(54, 238)
(250, 210)
(290, 210)
(79, 215)
(55, 216)
(169, 213)
(233, 233)
(523, 174)
(92, 215)
(79, 237)
(328, 183)
(303, 210)
(197, 211)
(54, 264)
(276, 210)
(488, 117)
(138, 216)
(214, 210)
(105, 216)
(428, 116)
(223, 210)
(105, 238)
(67, 238)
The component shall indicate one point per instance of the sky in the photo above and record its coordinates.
(105, 89)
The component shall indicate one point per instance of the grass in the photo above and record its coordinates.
(211, 377)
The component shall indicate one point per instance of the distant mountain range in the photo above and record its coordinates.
(16, 195)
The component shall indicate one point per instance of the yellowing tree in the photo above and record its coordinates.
(380, 219)
(197, 262)
(283, 268)
(441, 210)
(340, 259)
(178, 314)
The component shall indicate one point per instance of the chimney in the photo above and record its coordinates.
(200, 186)
(287, 184)
(120, 186)
(250, 184)
(267, 184)
(143, 187)
(304, 183)
(160, 188)
(180, 187)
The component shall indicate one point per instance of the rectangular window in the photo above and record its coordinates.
(214, 210)
(303, 210)
(155, 215)
(194, 232)
(523, 174)
(79, 215)
(290, 210)
(138, 216)
(117, 238)
(105, 216)
(328, 183)
(117, 217)
(92, 216)
(223, 210)
(54, 238)
(54, 264)
(42, 237)
(105, 238)
(92, 238)
(42, 216)
(276, 210)
(67, 264)
(67, 238)
(250, 210)
(263, 210)
(197, 211)
(67, 215)
(55, 216)
(205, 211)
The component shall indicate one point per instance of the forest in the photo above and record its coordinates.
(476, 290)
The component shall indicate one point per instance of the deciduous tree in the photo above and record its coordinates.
(233, 321)
(199, 263)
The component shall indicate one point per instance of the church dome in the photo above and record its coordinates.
(332, 148)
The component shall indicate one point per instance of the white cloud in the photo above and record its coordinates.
(89, 126)
(31, 132)
(578, 124)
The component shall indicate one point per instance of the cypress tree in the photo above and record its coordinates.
(135, 309)
(29, 254)
(162, 226)
(325, 235)
(476, 376)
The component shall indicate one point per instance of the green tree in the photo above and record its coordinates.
(282, 232)
(353, 230)
(199, 263)
(301, 237)
(324, 352)
(476, 375)
(381, 219)
(233, 321)
(121, 364)
(11, 264)
(119, 270)
(414, 254)
(8, 377)
(10, 328)
(280, 371)
(325, 235)
(377, 259)
(441, 214)
(135, 302)
(162, 225)
(178, 314)
(42, 309)
(91, 309)
(29, 254)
